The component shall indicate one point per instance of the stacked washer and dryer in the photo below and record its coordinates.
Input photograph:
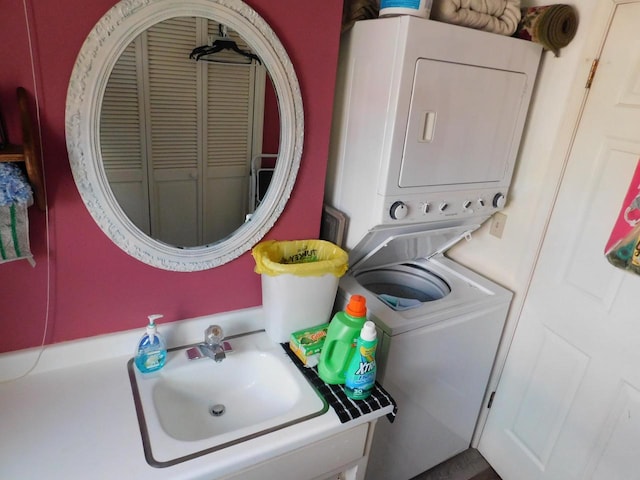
(427, 123)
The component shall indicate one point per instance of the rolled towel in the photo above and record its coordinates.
(495, 16)
(552, 26)
(355, 10)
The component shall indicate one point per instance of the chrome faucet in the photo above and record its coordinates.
(213, 346)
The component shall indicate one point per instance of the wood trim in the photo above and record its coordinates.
(27, 152)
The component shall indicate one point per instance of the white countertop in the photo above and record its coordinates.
(73, 416)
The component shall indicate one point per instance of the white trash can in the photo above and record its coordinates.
(299, 283)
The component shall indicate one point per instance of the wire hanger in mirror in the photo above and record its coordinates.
(222, 43)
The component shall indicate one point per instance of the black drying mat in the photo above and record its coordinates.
(346, 408)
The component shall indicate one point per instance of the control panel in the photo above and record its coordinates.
(441, 206)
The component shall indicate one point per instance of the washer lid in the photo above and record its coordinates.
(387, 246)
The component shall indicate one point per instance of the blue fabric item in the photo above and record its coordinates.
(14, 186)
(399, 303)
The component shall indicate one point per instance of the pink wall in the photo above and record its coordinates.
(94, 287)
(271, 125)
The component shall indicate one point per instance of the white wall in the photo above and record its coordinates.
(509, 260)
(555, 107)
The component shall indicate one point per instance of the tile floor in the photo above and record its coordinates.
(468, 465)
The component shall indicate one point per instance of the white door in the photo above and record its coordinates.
(568, 402)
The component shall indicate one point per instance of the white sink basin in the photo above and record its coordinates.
(256, 387)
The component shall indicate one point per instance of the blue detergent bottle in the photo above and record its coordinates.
(361, 374)
(151, 352)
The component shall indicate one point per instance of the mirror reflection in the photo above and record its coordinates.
(189, 145)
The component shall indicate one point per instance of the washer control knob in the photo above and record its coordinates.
(443, 206)
(499, 200)
(466, 205)
(398, 210)
(481, 202)
(426, 206)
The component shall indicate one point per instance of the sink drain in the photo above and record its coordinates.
(217, 410)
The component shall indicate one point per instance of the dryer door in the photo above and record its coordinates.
(462, 124)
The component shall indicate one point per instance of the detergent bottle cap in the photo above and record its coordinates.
(357, 306)
(368, 332)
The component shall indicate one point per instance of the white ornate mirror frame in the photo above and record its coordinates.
(115, 30)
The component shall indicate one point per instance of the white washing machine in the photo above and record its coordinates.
(427, 124)
(439, 326)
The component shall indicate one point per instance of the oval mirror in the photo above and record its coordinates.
(166, 134)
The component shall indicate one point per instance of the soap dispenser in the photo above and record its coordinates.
(151, 352)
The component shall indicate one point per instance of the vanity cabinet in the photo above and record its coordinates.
(342, 456)
(63, 394)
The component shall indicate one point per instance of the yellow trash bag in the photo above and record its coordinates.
(303, 258)
(299, 283)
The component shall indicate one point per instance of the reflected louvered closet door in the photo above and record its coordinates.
(178, 136)
(122, 138)
(231, 138)
(174, 141)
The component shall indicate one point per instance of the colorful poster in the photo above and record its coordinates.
(623, 247)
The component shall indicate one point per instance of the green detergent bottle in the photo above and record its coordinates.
(340, 343)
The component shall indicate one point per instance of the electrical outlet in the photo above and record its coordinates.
(497, 224)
